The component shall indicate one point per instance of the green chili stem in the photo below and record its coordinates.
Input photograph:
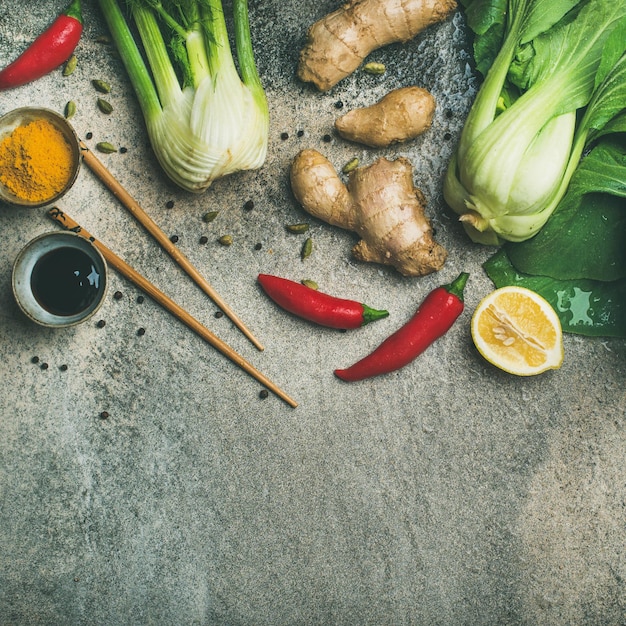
(457, 286)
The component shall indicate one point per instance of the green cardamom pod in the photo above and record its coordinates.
(70, 109)
(101, 86)
(350, 166)
(307, 248)
(226, 240)
(297, 228)
(70, 66)
(374, 68)
(104, 106)
(310, 283)
(106, 147)
(209, 216)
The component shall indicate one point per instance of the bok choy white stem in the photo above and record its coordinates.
(211, 122)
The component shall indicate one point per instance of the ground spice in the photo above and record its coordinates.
(35, 161)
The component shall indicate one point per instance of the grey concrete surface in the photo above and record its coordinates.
(448, 493)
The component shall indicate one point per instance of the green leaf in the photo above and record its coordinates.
(613, 50)
(481, 15)
(586, 236)
(486, 48)
(490, 21)
(544, 15)
(570, 54)
(609, 99)
(486, 19)
(616, 125)
(585, 307)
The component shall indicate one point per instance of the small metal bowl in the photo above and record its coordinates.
(20, 117)
(45, 311)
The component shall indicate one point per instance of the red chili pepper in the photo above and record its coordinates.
(52, 48)
(433, 318)
(316, 306)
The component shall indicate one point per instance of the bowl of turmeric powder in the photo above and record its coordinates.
(39, 157)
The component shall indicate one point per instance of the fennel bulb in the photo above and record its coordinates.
(550, 84)
(213, 124)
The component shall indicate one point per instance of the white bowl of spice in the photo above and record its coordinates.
(39, 157)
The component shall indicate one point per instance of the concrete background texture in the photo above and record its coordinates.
(447, 493)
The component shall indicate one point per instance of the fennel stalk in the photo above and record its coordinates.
(211, 121)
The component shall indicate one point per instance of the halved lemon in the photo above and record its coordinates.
(518, 331)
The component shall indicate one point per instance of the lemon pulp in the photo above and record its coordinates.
(518, 331)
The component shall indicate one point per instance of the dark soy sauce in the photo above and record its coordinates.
(64, 281)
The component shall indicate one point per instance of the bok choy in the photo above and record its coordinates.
(203, 119)
(555, 75)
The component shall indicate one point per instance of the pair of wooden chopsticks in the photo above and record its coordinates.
(135, 277)
(145, 285)
(114, 186)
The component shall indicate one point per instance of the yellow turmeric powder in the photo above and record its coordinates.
(35, 161)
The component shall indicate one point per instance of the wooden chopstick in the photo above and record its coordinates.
(96, 166)
(128, 272)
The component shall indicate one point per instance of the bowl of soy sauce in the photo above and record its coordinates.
(59, 279)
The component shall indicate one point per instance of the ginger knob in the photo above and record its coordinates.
(401, 115)
(339, 42)
(380, 203)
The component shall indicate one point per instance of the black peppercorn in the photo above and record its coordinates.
(219, 314)
(327, 138)
(35, 359)
(174, 238)
(117, 295)
(169, 204)
(101, 324)
(89, 135)
(258, 246)
(203, 239)
(123, 150)
(264, 393)
(44, 366)
(141, 332)
(284, 136)
(248, 205)
(339, 104)
(63, 367)
(300, 133)
(140, 299)
(104, 414)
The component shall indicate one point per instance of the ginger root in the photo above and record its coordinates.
(380, 203)
(338, 43)
(401, 115)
